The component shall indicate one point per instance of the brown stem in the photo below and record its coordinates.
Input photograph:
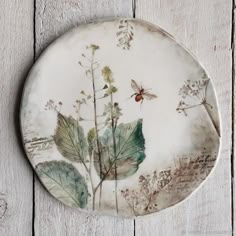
(149, 202)
(109, 169)
(211, 118)
(105, 175)
(91, 180)
(131, 206)
(96, 126)
(114, 150)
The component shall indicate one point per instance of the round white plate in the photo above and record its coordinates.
(117, 117)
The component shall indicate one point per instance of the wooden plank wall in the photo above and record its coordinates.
(53, 18)
(16, 56)
(206, 27)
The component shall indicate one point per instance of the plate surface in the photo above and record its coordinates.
(117, 117)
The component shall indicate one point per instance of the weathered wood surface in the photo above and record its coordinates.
(53, 18)
(204, 26)
(16, 56)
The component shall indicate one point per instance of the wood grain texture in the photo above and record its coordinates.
(16, 53)
(54, 17)
(204, 26)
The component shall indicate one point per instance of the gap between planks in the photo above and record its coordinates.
(34, 45)
(134, 16)
(233, 114)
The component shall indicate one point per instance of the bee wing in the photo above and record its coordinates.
(149, 96)
(135, 86)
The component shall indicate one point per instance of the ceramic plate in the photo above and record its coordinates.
(117, 117)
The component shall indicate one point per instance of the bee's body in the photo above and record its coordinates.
(138, 97)
(141, 93)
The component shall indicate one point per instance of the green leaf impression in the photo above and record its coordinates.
(70, 139)
(130, 146)
(64, 182)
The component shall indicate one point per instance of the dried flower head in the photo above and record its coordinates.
(125, 34)
(113, 110)
(91, 135)
(51, 105)
(93, 47)
(111, 89)
(193, 94)
(107, 75)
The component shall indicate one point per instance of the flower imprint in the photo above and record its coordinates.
(125, 34)
(194, 94)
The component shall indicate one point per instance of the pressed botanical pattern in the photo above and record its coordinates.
(100, 123)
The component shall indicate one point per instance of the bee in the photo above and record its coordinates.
(141, 93)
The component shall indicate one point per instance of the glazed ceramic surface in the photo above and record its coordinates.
(118, 118)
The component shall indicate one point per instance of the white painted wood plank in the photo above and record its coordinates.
(16, 55)
(204, 26)
(54, 17)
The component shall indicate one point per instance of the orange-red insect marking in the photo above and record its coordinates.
(140, 93)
